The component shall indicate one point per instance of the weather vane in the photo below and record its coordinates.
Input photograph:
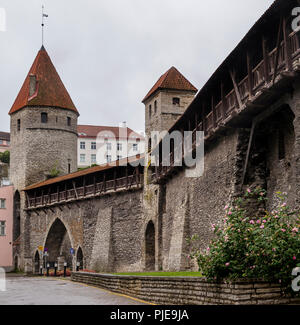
(43, 16)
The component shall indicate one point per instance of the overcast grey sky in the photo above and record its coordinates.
(110, 53)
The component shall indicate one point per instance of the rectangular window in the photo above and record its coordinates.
(108, 158)
(69, 121)
(82, 145)
(2, 203)
(108, 146)
(135, 147)
(2, 228)
(93, 159)
(82, 157)
(119, 146)
(44, 117)
(176, 101)
(119, 157)
(1, 141)
(93, 145)
(19, 125)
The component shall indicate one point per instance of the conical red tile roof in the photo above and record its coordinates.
(50, 90)
(172, 79)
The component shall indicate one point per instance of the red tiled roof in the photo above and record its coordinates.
(92, 131)
(88, 171)
(172, 79)
(50, 89)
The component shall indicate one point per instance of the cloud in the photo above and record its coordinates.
(110, 53)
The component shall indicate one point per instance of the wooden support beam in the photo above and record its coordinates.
(287, 47)
(27, 199)
(104, 182)
(137, 176)
(35, 198)
(66, 192)
(57, 193)
(75, 190)
(266, 59)
(277, 50)
(236, 89)
(42, 197)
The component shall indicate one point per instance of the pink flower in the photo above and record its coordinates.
(261, 194)
(295, 229)
(276, 217)
(227, 264)
(284, 205)
(248, 190)
(283, 230)
(274, 249)
(258, 221)
(252, 222)
(226, 207)
(262, 227)
(229, 213)
(264, 221)
(294, 258)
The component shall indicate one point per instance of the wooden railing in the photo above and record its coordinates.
(82, 192)
(261, 74)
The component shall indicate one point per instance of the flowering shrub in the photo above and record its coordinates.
(266, 247)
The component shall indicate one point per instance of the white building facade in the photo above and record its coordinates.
(99, 145)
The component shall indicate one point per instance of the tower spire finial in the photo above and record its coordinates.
(43, 15)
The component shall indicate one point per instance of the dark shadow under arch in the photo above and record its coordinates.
(16, 216)
(79, 258)
(150, 247)
(36, 262)
(58, 243)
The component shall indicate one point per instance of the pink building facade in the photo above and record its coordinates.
(6, 227)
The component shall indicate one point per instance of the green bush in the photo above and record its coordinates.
(5, 157)
(266, 247)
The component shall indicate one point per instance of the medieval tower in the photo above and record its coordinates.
(164, 104)
(43, 137)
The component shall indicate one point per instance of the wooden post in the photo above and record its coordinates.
(104, 182)
(84, 180)
(115, 179)
(287, 47)
(223, 102)
(57, 193)
(35, 198)
(66, 193)
(196, 121)
(236, 89)
(250, 76)
(42, 197)
(266, 59)
(277, 50)
(75, 190)
(137, 176)
(203, 119)
(95, 185)
(213, 109)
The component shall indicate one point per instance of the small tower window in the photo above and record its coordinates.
(281, 146)
(44, 117)
(69, 121)
(155, 107)
(19, 124)
(176, 101)
(150, 111)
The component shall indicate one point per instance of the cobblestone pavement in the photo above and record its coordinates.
(49, 291)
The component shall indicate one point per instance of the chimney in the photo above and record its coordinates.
(32, 84)
(124, 124)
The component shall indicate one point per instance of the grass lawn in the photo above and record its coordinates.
(162, 273)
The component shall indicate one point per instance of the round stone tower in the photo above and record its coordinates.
(43, 138)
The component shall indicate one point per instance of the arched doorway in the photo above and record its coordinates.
(16, 216)
(58, 243)
(79, 258)
(37, 263)
(150, 247)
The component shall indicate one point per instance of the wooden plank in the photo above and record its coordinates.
(277, 51)
(236, 88)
